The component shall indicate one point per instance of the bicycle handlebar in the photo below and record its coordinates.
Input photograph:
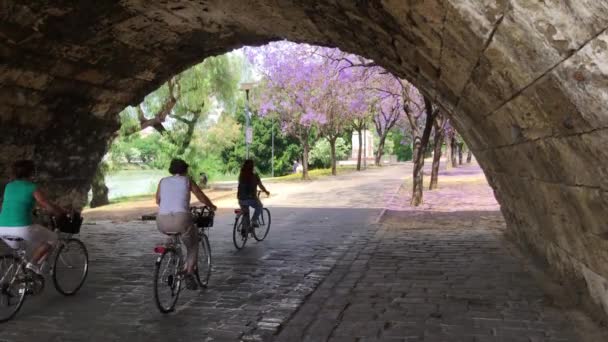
(194, 210)
(202, 208)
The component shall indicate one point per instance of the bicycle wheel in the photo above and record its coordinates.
(238, 236)
(261, 232)
(12, 287)
(71, 267)
(167, 281)
(203, 269)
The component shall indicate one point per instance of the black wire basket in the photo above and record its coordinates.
(69, 224)
(203, 217)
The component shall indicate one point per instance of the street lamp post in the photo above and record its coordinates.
(272, 160)
(248, 131)
(364, 146)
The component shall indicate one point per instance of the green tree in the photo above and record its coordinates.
(176, 111)
(287, 149)
(320, 155)
(402, 143)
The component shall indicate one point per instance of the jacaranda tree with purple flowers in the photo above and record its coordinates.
(314, 90)
(308, 94)
(289, 90)
(355, 100)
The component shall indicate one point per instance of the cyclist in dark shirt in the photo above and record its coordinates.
(249, 182)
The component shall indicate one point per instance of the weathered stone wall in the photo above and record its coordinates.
(525, 81)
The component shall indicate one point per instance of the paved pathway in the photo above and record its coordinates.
(449, 281)
(252, 292)
(326, 273)
(436, 273)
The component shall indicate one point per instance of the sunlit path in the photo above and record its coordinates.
(251, 292)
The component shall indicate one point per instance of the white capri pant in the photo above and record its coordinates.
(34, 235)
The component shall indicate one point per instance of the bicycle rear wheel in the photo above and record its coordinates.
(261, 232)
(203, 269)
(71, 267)
(12, 287)
(239, 235)
(167, 281)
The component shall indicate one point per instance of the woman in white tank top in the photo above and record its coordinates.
(173, 200)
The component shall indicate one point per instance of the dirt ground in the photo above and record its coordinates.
(134, 209)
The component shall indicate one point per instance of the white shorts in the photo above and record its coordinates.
(34, 235)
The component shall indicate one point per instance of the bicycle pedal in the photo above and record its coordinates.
(34, 284)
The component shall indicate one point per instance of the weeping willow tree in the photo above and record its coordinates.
(176, 111)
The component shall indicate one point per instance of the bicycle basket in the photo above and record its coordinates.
(204, 218)
(69, 224)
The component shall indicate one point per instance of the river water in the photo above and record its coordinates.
(133, 182)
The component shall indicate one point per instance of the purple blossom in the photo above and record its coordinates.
(307, 86)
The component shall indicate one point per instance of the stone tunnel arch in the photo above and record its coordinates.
(525, 82)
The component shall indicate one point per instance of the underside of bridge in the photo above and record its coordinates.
(526, 83)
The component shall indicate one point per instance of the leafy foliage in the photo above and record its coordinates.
(286, 148)
(305, 93)
(402, 143)
(320, 155)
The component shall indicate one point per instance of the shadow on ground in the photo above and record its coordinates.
(431, 276)
(255, 289)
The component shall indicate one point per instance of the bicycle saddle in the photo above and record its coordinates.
(11, 238)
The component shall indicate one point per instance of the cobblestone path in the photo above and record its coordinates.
(449, 281)
(251, 292)
(438, 273)
(327, 272)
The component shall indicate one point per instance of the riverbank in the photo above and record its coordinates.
(133, 208)
(130, 208)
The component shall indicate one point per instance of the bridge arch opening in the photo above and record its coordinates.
(524, 82)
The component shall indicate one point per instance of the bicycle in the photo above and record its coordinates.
(17, 282)
(168, 271)
(242, 226)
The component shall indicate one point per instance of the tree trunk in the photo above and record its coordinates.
(420, 147)
(448, 153)
(305, 159)
(380, 151)
(417, 175)
(436, 158)
(360, 152)
(189, 132)
(469, 156)
(454, 153)
(460, 147)
(332, 145)
(99, 189)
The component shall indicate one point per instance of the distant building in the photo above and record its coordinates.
(367, 142)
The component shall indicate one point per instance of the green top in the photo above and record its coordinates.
(18, 204)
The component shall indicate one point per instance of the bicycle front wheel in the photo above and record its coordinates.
(203, 269)
(239, 233)
(262, 230)
(71, 267)
(167, 281)
(12, 287)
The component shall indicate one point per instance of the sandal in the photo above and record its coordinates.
(191, 283)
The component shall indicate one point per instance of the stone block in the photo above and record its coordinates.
(584, 80)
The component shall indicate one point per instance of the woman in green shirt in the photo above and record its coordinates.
(20, 196)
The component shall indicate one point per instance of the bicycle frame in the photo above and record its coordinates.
(20, 254)
(21, 265)
(174, 243)
(245, 210)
